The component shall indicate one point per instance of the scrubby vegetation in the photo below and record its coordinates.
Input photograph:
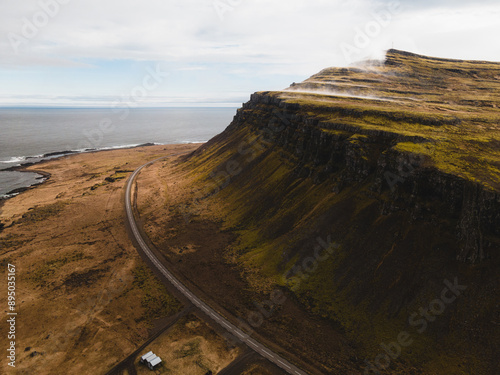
(45, 272)
(453, 106)
(156, 300)
(11, 241)
(398, 163)
(116, 176)
(42, 213)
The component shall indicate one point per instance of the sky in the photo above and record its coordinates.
(148, 53)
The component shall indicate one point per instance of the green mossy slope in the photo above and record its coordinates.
(403, 178)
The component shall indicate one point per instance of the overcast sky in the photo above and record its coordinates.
(215, 52)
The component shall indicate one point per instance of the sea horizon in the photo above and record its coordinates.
(34, 134)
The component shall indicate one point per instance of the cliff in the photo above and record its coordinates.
(398, 163)
(417, 128)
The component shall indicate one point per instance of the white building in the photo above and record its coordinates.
(151, 360)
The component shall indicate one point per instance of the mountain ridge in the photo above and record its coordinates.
(409, 190)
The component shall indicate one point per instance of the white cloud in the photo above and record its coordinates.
(259, 37)
(302, 33)
(297, 31)
(227, 100)
(467, 32)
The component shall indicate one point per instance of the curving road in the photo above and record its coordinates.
(250, 342)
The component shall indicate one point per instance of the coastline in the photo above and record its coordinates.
(46, 176)
(12, 193)
(76, 262)
(57, 155)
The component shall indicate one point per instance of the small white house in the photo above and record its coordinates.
(151, 360)
(146, 356)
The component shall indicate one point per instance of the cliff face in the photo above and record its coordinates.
(398, 163)
(341, 152)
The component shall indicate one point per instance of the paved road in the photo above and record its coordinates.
(250, 342)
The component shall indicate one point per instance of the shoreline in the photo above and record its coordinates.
(59, 154)
(75, 259)
(45, 176)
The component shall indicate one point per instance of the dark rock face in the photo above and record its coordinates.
(407, 184)
(347, 155)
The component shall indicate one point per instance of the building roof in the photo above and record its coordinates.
(147, 355)
(155, 361)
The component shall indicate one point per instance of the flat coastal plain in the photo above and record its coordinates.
(84, 298)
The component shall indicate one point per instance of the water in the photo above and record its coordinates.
(29, 134)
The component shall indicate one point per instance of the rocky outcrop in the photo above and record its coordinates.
(339, 153)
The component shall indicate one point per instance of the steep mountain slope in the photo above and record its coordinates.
(396, 163)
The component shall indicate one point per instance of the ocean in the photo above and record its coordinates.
(34, 134)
